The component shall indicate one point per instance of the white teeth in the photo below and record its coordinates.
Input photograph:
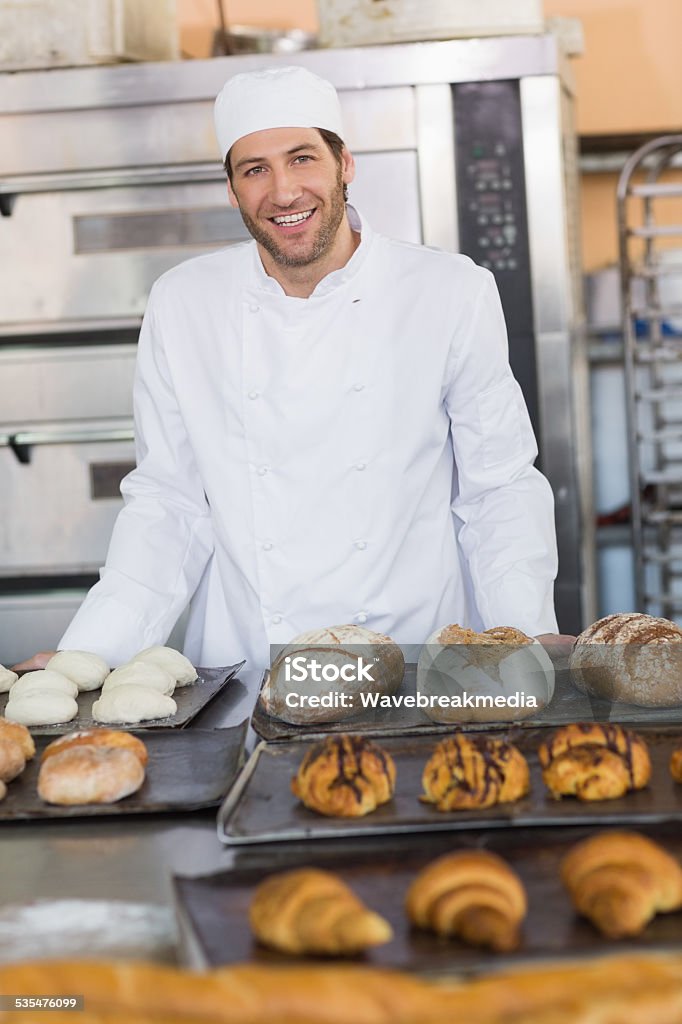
(293, 218)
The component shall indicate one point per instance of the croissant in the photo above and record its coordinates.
(676, 764)
(313, 911)
(345, 776)
(594, 761)
(467, 772)
(620, 880)
(474, 895)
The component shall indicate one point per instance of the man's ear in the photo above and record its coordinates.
(347, 166)
(231, 196)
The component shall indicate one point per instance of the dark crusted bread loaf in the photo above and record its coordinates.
(630, 657)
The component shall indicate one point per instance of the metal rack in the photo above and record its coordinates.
(650, 246)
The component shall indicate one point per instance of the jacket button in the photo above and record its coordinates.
(276, 619)
(253, 394)
(267, 546)
(360, 466)
(262, 470)
(254, 309)
(358, 387)
(361, 545)
(361, 617)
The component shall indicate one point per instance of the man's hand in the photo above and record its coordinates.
(38, 661)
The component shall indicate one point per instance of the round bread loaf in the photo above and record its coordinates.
(43, 679)
(630, 657)
(351, 659)
(7, 679)
(41, 707)
(140, 673)
(88, 671)
(132, 703)
(176, 664)
(89, 775)
(499, 675)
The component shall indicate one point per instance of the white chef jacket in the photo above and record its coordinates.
(350, 457)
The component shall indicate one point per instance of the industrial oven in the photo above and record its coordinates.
(109, 176)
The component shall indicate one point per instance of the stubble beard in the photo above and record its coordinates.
(321, 243)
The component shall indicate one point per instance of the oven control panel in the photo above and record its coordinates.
(492, 215)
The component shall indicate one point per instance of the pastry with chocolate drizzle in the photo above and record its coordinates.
(473, 772)
(345, 776)
(594, 761)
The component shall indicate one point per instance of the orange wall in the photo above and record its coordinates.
(630, 77)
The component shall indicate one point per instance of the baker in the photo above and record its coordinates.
(327, 427)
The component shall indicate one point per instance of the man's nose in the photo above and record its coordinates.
(284, 189)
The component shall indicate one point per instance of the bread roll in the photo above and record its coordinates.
(499, 675)
(351, 650)
(12, 760)
(140, 673)
(44, 679)
(89, 775)
(41, 707)
(7, 679)
(630, 657)
(132, 703)
(87, 670)
(108, 738)
(176, 664)
(20, 734)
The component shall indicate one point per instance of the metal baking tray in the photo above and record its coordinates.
(190, 700)
(261, 808)
(186, 770)
(567, 705)
(213, 910)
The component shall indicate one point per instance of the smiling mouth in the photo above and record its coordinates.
(288, 219)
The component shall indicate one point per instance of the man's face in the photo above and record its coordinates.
(289, 189)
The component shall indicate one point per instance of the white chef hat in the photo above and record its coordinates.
(288, 97)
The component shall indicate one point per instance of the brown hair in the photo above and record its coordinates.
(334, 143)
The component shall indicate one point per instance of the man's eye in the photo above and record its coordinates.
(303, 158)
(252, 170)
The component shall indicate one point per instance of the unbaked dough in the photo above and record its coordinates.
(88, 671)
(43, 679)
(132, 703)
(140, 673)
(41, 707)
(7, 679)
(180, 667)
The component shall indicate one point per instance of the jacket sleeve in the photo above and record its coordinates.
(504, 505)
(162, 538)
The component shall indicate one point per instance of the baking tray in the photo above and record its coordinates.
(186, 770)
(261, 808)
(567, 705)
(190, 700)
(213, 910)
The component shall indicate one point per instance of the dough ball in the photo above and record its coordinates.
(45, 679)
(19, 734)
(89, 775)
(41, 707)
(132, 703)
(180, 667)
(7, 679)
(12, 760)
(88, 671)
(138, 673)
